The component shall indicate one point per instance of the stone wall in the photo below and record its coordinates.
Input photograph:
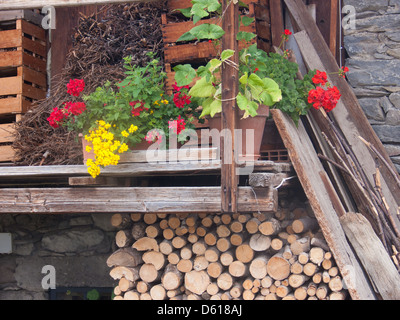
(373, 49)
(77, 247)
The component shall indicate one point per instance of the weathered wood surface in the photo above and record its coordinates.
(307, 165)
(348, 114)
(128, 200)
(34, 4)
(373, 255)
(229, 114)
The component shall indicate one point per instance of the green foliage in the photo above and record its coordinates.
(93, 295)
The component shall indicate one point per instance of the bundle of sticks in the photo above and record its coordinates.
(100, 42)
(223, 257)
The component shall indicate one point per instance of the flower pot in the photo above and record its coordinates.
(256, 123)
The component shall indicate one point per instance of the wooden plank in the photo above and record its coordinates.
(7, 132)
(349, 125)
(33, 30)
(19, 58)
(35, 77)
(277, 24)
(182, 155)
(10, 39)
(308, 166)
(7, 154)
(229, 114)
(348, 114)
(28, 15)
(182, 4)
(120, 200)
(38, 4)
(373, 256)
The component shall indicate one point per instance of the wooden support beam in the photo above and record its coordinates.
(38, 4)
(277, 23)
(128, 200)
(230, 89)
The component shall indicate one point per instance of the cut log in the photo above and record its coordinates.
(223, 244)
(258, 267)
(168, 233)
(236, 239)
(149, 273)
(236, 227)
(186, 252)
(135, 217)
(123, 238)
(278, 267)
(305, 224)
(214, 269)
(282, 291)
(125, 285)
(236, 290)
(145, 296)
(225, 281)
(154, 257)
(270, 227)
(296, 268)
(178, 242)
(200, 263)
(211, 238)
(146, 244)
(197, 281)
(174, 222)
(266, 282)
(227, 258)
(212, 254)
(252, 225)
(199, 248)
(259, 242)
(142, 287)
(336, 284)
(166, 247)
(317, 278)
(300, 245)
(126, 257)
(322, 292)
(131, 295)
(303, 257)
(337, 295)
(212, 289)
(207, 222)
(150, 218)
(309, 269)
(223, 231)
(185, 265)
(201, 232)
(276, 244)
(244, 253)
(191, 220)
(287, 253)
(132, 274)
(248, 295)
(317, 255)
(297, 280)
(326, 278)
(312, 289)
(120, 220)
(153, 231)
(238, 269)
(158, 292)
(327, 264)
(172, 278)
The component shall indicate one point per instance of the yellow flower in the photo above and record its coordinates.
(124, 147)
(125, 134)
(164, 101)
(156, 103)
(133, 129)
(88, 148)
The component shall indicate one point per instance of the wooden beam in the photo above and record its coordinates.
(229, 115)
(308, 168)
(376, 261)
(128, 200)
(38, 4)
(277, 23)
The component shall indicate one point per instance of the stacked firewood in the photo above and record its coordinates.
(223, 257)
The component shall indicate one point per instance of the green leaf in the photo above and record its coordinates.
(246, 36)
(242, 101)
(198, 10)
(273, 89)
(202, 89)
(184, 74)
(215, 107)
(244, 78)
(214, 64)
(207, 31)
(226, 54)
(186, 12)
(246, 21)
(187, 36)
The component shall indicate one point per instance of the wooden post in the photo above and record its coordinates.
(229, 178)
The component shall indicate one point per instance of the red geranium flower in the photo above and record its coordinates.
(76, 108)
(288, 32)
(320, 78)
(56, 117)
(75, 87)
(177, 125)
(136, 111)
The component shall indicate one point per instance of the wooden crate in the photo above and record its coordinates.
(23, 66)
(7, 153)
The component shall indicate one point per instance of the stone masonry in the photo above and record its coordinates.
(373, 49)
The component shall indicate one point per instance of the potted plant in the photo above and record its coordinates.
(128, 115)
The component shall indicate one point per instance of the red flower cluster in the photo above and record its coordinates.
(75, 87)
(287, 32)
(326, 99)
(136, 111)
(180, 98)
(320, 78)
(343, 71)
(154, 136)
(177, 125)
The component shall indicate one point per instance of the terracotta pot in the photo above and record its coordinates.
(256, 123)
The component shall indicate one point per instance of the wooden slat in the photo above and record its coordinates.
(35, 77)
(14, 105)
(277, 24)
(29, 15)
(7, 154)
(33, 30)
(308, 167)
(10, 39)
(348, 114)
(141, 200)
(10, 86)
(7, 132)
(181, 4)
(19, 58)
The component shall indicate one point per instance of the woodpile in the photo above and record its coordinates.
(223, 257)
